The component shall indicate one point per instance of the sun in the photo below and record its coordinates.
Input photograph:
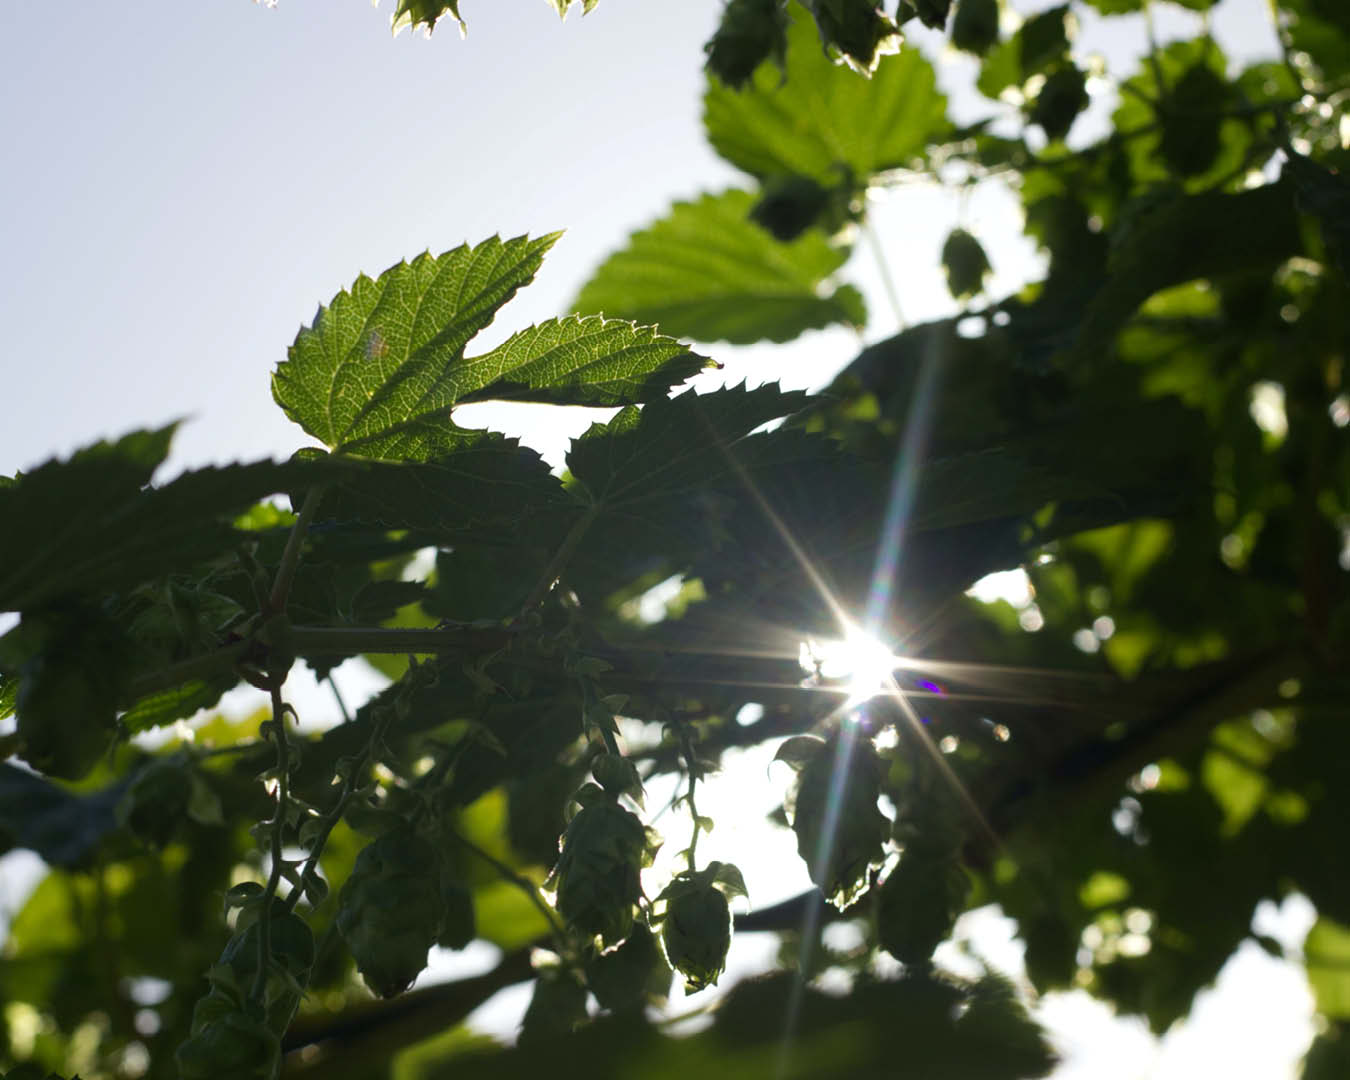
(862, 663)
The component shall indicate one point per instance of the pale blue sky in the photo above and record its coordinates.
(187, 181)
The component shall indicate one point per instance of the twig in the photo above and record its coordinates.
(560, 558)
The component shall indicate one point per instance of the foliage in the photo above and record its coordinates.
(1155, 432)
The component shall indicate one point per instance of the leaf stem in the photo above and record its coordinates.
(290, 557)
(327, 641)
(560, 559)
(519, 881)
(337, 696)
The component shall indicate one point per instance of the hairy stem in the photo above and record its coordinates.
(691, 763)
(334, 815)
(279, 708)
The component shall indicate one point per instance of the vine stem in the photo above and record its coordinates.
(279, 709)
(334, 815)
(691, 763)
(290, 557)
(519, 881)
(887, 281)
(326, 641)
(560, 559)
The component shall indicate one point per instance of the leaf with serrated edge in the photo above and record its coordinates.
(388, 355)
(89, 523)
(410, 14)
(586, 361)
(642, 457)
(707, 272)
(382, 365)
(820, 119)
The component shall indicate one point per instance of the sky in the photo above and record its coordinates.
(187, 182)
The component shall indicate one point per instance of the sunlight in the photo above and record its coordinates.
(859, 660)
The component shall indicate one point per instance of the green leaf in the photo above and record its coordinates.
(820, 120)
(410, 14)
(587, 361)
(1321, 28)
(1182, 92)
(64, 828)
(379, 369)
(751, 31)
(176, 703)
(1324, 193)
(1040, 43)
(491, 483)
(642, 458)
(563, 6)
(1180, 239)
(800, 750)
(705, 271)
(1117, 7)
(975, 27)
(1327, 953)
(90, 525)
(858, 30)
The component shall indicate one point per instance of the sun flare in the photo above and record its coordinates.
(859, 661)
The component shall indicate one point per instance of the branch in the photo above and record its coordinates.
(365, 1036)
(325, 641)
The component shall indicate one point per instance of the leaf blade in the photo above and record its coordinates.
(386, 356)
(817, 118)
(587, 360)
(706, 271)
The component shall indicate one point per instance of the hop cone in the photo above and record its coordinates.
(390, 911)
(597, 873)
(697, 935)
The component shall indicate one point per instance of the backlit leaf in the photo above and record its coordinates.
(820, 119)
(386, 357)
(587, 361)
(706, 271)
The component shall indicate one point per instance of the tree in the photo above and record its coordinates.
(1168, 716)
